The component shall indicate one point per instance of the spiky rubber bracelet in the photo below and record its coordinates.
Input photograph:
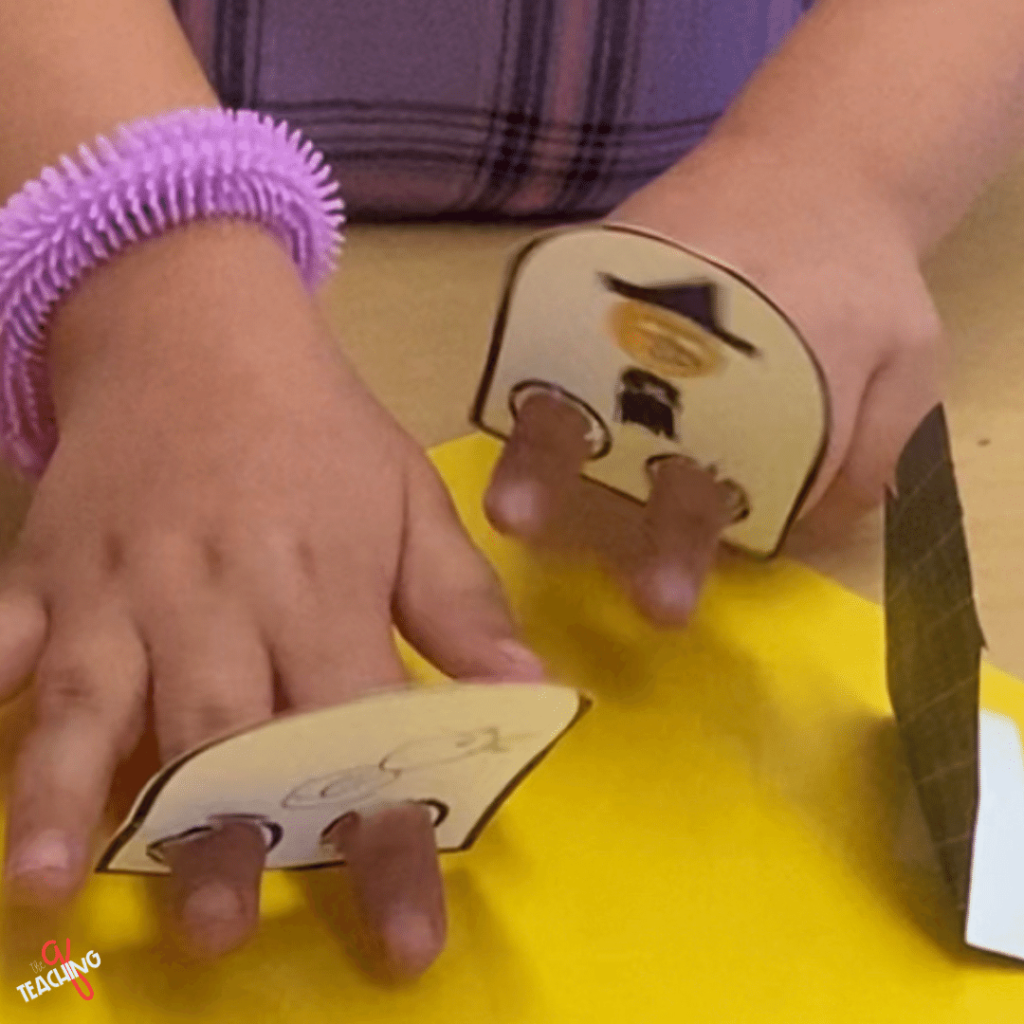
(146, 178)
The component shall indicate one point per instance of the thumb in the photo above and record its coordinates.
(897, 397)
(448, 601)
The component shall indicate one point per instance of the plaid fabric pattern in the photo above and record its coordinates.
(488, 107)
(934, 644)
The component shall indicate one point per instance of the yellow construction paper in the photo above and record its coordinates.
(730, 836)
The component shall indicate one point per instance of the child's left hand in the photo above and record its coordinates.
(837, 259)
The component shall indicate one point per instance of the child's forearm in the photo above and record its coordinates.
(71, 69)
(922, 100)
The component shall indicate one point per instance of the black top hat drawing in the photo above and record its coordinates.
(695, 301)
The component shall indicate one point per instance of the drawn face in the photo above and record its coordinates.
(664, 342)
(353, 785)
(647, 401)
(444, 749)
(348, 786)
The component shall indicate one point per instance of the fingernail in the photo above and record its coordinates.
(669, 597)
(523, 663)
(519, 507)
(212, 904)
(214, 920)
(47, 852)
(411, 941)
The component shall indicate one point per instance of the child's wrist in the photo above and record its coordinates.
(177, 307)
(148, 178)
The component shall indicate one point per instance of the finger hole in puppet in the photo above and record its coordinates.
(157, 849)
(272, 834)
(272, 831)
(737, 503)
(599, 437)
(437, 809)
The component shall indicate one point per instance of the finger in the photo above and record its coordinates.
(325, 650)
(685, 515)
(211, 671)
(329, 641)
(211, 676)
(449, 602)
(539, 466)
(23, 625)
(392, 860)
(215, 886)
(897, 398)
(90, 695)
(330, 636)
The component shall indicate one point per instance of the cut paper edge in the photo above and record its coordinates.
(995, 914)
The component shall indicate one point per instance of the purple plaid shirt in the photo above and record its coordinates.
(488, 107)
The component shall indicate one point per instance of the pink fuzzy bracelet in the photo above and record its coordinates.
(149, 177)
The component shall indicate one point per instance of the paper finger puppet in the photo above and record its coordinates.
(459, 749)
(664, 352)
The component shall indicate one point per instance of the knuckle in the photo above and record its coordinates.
(32, 552)
(163, 557)
(131, 731)
(280, 546)
(306, 559)
(20, 599)
(177, 562)
(282, 565)
(212, 715)
(113, 554)
(923, 329)
(214, 558)
(69, 689)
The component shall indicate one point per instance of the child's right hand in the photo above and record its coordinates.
(230, 523)
(839, 259)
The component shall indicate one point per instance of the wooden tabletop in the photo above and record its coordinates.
(413, 306)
